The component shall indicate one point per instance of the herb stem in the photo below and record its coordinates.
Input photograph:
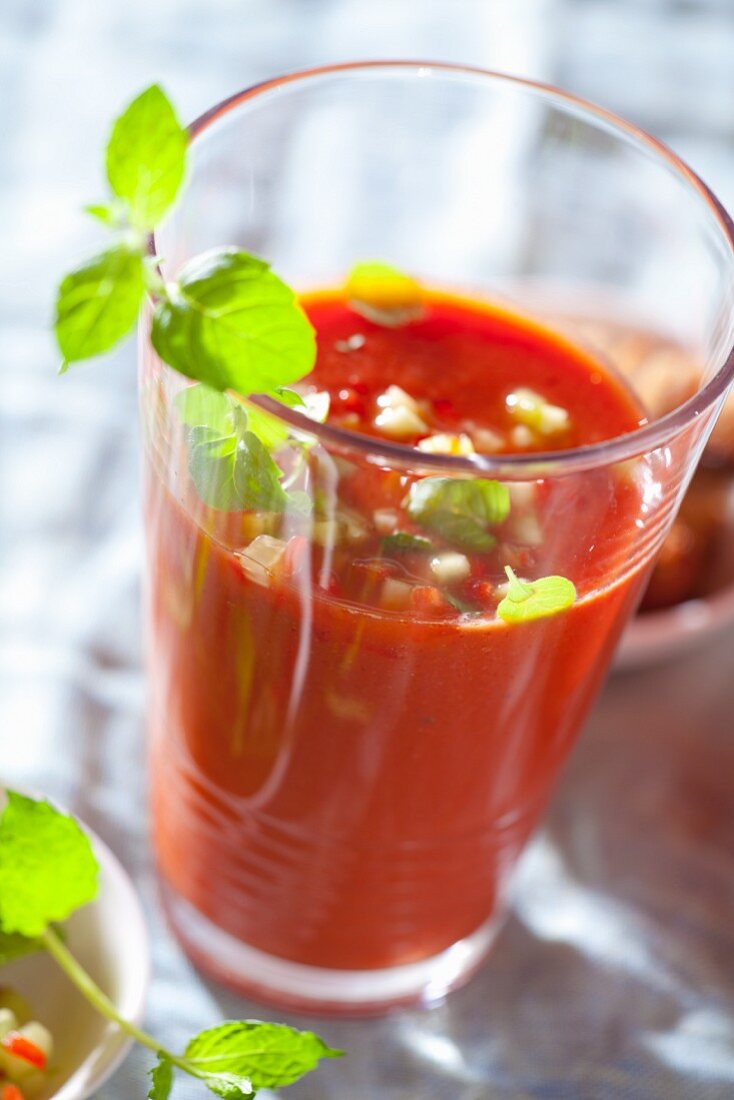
(99, 1000)
(154, 281)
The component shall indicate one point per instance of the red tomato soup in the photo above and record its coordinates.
(350, 744)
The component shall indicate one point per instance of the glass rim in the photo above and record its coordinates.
(617, 449)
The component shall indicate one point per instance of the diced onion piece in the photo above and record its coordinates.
(355, 528)
(399, 415)
(10, 998)
(325, 532)
(316, 405)
(385, 520)
(522, 493)
(521, 437)
(395, 595)
(446, 444)
(450, 567)
(400, 422)
(526, 529)
(352, 343)
(261, 557)
(527, 407)
(334, 529)
(395, 397)
(486, 441)
(8, 1021)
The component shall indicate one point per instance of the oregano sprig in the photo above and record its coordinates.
(228, 320)
(539, 599)
(48, 870)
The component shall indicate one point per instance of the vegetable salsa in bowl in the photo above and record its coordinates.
(53, 1043)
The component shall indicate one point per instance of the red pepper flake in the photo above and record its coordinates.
(483, 592)
(427, 600)
(11, 1092)
(20, 1047)
(348, 400)
(444, 407)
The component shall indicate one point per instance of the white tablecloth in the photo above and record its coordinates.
(614, 976)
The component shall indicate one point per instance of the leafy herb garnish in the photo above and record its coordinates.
(47, 868)
(99, 302)
(269, 1055)
(47, 871)
(231, 322)
(527, 600)
(402, 542)
(229, 444)
(460, 510)
(146, 158)
(228, 320)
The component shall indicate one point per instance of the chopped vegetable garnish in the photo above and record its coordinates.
(529, 408)
(450, 567)
(460, 510)
(262, 557)
(21, 1047)
(399, 422)
(384, 294)
(385, 520)
(428, 600)
(399, 415)
(522, 437)
(443, 444)
(527, 600)
(486, 441)
(396, 595)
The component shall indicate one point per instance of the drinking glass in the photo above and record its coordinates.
(340, 789)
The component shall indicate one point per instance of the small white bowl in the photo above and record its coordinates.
(110, 940)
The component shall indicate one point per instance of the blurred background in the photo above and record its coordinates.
(639, 847)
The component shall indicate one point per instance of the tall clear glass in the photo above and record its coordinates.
(340, 788)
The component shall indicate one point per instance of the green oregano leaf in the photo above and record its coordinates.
(232, 323)
(14, 946)
(212, 459)
(527, 600)
(47, 866)
(161, 1078)
(202, 407)
(459, 510)
(257, 477)
(262, 1055)
(146, 157)
(403, 542)
(98, 303)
